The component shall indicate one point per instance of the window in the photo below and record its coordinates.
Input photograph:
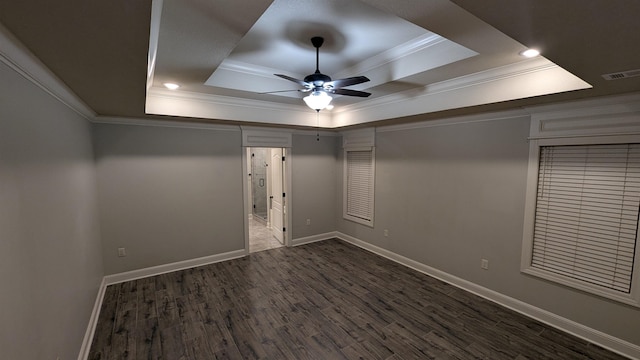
(358, 175)
(359, 168)
(584, 226)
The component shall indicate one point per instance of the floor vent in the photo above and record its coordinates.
(622, 75)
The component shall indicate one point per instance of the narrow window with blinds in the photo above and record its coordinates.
(586, 214)
(358, 192)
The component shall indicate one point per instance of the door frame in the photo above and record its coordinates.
(252, 137)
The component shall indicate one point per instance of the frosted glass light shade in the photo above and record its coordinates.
(317, 100)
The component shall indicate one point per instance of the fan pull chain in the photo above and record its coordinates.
(317, 125)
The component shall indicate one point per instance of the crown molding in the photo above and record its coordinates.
(249, 69)
(163, 123)
(17, 57)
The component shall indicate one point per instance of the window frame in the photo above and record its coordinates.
(633, 298)
(345, 214)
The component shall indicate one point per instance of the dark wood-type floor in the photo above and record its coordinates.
(326, 300)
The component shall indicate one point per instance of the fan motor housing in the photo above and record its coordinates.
(317, 79)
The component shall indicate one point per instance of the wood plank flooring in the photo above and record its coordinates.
(326, 300)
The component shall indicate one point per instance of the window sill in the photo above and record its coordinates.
(628, 299)
(358, 220)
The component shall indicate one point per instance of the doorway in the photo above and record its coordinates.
(267, 198)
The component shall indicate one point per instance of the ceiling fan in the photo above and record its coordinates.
(321, 85)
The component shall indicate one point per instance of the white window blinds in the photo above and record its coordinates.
(586, 217)
(359, 192)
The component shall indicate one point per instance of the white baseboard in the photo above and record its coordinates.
(93, 321)
(180, 265)
(314, 238)
(139, 274)
(599, 338)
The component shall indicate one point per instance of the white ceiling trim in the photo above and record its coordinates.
(22, 61)
(514, 81)
(523, 79)
(196, 105)
(245, 68)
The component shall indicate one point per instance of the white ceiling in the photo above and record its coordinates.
(421, 56)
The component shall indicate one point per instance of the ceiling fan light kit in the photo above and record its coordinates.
(317, 100)
(320, 85)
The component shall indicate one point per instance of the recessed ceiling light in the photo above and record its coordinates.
(530, 53)
(329, 107)
(171, 86)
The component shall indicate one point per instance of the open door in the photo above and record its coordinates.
(275, 231)
(278, 197)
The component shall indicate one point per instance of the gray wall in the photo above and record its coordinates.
(50, 261)
(168, 194)
(313, 184)
(453, 195)
(171, 194)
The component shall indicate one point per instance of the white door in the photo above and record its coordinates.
(277, 199)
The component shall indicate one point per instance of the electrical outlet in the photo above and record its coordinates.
(122, 252)
(308, 221)
(484, 264)
(386, 232)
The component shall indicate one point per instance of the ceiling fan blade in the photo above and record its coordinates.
(347, 81)
(349, 92)
(281, 91)
(299, 82)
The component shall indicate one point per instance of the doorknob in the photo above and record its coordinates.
(270, 202)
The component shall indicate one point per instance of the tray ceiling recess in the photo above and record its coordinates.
(421, 56)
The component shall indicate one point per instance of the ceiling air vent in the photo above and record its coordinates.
(622, 75)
